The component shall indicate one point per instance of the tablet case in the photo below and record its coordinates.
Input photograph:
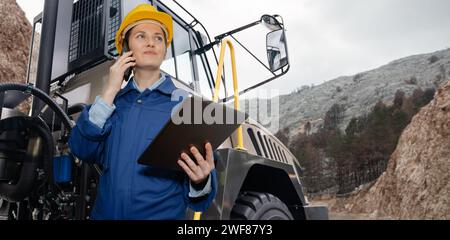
(194, 122)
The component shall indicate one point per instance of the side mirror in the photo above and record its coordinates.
(276, 50)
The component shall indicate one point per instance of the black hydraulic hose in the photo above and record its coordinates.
(76, 108)
(42, 96)
(20, 190)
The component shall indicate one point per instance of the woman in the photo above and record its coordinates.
(121, 123)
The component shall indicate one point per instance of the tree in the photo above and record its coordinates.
(283, 136)
(308, 128)
(421, 98)
(333, 117)
(361, 154)
(309, 157)
(355, 127)
(398, 99)
(428, 95)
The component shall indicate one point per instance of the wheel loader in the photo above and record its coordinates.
(71, 51)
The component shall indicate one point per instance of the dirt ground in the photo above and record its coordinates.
(336, 211)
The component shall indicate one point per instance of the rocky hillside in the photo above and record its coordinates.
(359, 93)
(416, 184)
(15, 35)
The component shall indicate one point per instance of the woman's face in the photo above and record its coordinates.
(147, 41)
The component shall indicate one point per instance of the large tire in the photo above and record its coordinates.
(260, 206)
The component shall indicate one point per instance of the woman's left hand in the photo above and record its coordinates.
(200, 171)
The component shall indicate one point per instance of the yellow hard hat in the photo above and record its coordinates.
(144, 12)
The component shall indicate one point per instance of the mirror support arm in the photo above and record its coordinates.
(284, 71)
(257, 59)
(223, 35)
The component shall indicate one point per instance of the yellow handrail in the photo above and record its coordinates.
(240, 143)
(197, 215)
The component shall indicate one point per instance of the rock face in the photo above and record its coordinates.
(15, 36)
(416, 184)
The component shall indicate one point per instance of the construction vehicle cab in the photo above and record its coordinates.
(258, 177)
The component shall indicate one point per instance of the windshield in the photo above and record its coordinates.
(181, 62)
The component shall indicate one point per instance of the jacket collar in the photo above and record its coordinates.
(166, 87)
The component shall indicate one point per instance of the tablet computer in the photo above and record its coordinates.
(194, 122)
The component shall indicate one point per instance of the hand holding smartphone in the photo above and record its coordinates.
(118, 72)
(127, 73)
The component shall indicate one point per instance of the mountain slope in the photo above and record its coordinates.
(359, 93)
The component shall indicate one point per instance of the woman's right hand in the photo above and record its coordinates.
(116, 73)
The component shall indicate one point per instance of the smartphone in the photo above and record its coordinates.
(127, 73)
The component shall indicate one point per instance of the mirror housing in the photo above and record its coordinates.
(276, 50)
(270, 22)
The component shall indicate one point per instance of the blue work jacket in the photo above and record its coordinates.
(127, 189)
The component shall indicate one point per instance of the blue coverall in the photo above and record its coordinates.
(128, 190)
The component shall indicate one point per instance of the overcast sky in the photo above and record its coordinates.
(330, 38)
